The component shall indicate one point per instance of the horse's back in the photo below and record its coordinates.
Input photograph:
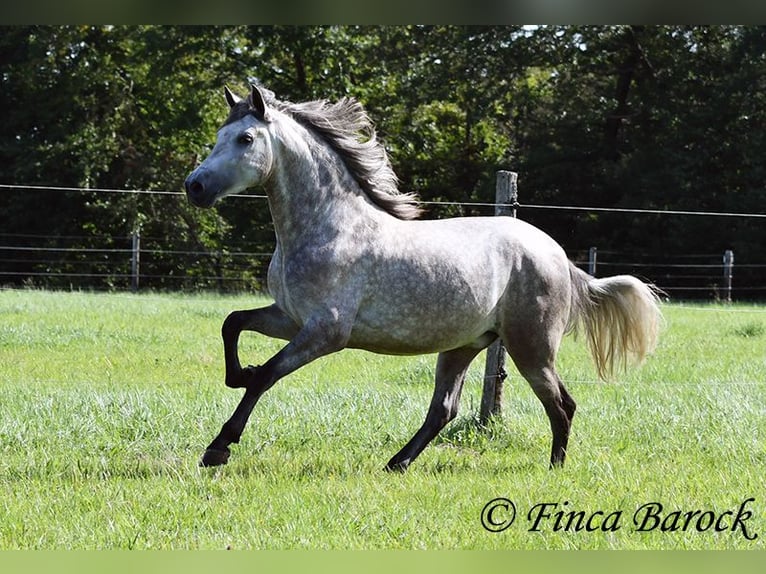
(498, 251)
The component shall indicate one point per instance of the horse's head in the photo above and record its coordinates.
(242, 156)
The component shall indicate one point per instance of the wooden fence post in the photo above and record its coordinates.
(135, 259)
(506, 196)
(728, 272)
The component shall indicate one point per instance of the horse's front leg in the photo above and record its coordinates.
(270, 321)
(320, 336)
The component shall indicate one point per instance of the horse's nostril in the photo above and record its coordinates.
(195, 188)
(197, 193)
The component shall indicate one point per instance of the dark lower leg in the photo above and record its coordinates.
(435, 421)
(451, 368)
(563, 415)
(560, 425)
(260, 381)
(306, 346)
(558, 405)
(270, 321)
(567, 403)
(218, 451)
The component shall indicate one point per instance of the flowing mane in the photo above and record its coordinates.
(348, 130)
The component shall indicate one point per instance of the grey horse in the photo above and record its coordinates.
(354, 267)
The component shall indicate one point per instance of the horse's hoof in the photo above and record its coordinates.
(214, 457)
(398, 467)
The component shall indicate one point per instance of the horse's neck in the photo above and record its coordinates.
(314, 199)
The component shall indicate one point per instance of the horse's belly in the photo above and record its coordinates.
(416, 342)
(416, 325)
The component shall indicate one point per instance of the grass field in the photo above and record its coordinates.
(107, 402)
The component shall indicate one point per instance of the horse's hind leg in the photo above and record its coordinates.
(535, 362)
(451, 367)
(559, 406)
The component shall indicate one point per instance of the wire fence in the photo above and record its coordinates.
(708, 276)
(135, 262)
(51, 261)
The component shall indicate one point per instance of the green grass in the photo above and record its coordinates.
(107, 402)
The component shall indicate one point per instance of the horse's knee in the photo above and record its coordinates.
(232, 325)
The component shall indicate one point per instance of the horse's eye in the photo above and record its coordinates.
(245, 139)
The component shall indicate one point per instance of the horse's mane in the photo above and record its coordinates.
(348, 130)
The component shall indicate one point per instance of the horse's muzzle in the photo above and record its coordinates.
(197, 193)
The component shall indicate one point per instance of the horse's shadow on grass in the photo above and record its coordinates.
(473, 438)
(465, 446)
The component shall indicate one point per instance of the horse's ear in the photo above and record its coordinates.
(258, 103)
(231, 98)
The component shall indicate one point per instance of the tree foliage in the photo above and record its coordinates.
(661, 117)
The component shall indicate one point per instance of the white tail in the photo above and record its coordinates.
(621, 317)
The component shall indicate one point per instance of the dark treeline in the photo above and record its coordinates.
(653, 117)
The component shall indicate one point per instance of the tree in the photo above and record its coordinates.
(662, 117)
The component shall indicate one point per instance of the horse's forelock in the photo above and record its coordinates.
(238, 111)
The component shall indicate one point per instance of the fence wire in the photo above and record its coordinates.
(24, 259)
(449, 203)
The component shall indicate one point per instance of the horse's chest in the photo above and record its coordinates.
(302, 283)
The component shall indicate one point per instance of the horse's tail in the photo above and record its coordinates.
(620, 315)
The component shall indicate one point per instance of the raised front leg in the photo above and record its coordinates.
(321, 336)
(270, 321)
